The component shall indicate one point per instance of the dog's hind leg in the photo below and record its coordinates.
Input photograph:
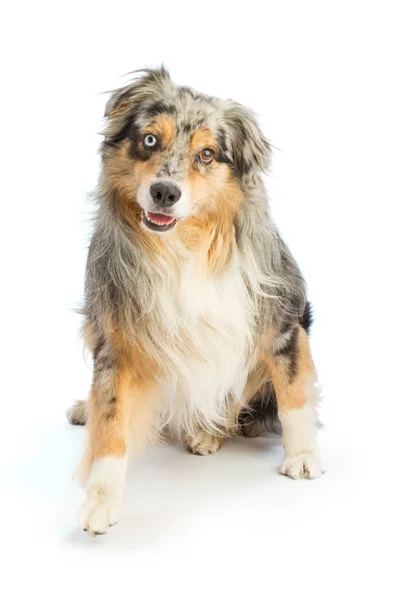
(77, 414)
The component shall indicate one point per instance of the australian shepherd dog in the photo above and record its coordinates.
(195, 310)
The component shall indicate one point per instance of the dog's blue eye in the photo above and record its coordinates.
(150, 140)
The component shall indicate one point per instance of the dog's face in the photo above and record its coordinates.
(176, 153)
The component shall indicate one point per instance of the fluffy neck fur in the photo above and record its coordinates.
(133, 276)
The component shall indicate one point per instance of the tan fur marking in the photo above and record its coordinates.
(293, 394)
(202, 138)
(211, 230)
(115, 424)
(107, 425)
(163, 126)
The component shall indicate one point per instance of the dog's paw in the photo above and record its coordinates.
(99, 511)
(203, 443)
(77, 413)
(302, 466)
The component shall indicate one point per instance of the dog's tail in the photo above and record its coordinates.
(261, 414)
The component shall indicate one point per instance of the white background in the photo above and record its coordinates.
(324, 80)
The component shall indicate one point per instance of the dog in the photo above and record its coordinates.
(195, 311)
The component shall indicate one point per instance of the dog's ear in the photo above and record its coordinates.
(249, 150)
(124, 102)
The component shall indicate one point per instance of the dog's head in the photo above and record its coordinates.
(176, 152)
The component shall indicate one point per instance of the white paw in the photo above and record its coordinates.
(204, 443)
(99, 511)
(104, 494)
(302, 466)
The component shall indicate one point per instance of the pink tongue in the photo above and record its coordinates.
(160, 219)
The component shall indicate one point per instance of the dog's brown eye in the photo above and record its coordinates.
(207, 155)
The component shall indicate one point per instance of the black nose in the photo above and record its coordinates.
(165, 193)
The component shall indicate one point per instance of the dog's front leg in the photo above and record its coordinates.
(294, 379)
(116, 405)
(107, 449)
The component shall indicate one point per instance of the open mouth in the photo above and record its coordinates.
(158, 221)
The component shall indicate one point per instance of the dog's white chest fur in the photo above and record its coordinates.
(215, 316)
